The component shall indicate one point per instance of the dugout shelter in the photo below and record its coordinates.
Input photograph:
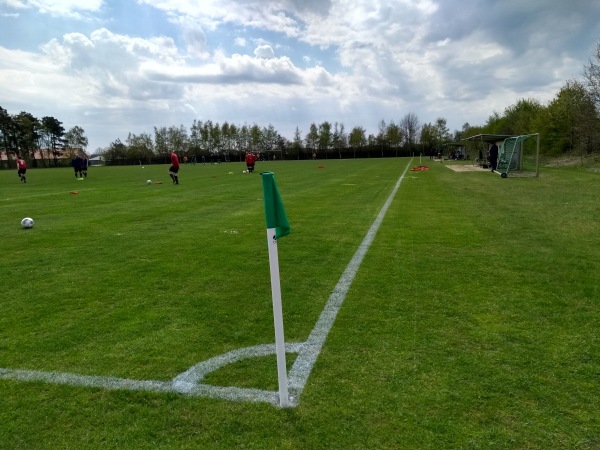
(455, 151)
(511, 152)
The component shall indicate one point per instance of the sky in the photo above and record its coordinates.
(118, 66)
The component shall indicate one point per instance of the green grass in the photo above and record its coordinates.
(472, 323)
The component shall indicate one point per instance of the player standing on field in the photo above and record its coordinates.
(84, 165)
(76, 163)
(494, 156)
(21, 169)
(250, 161)
(174, 169)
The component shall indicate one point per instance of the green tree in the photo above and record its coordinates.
(297, 143)
(570, 122)
(228, 133)
(115, 153)
(357, 139)
(312, 138)
(428, 137)
(27, 135)
(269, 139)
(140, 147)
(52, 135)
(325, 137)
(243, 139)
(519, 118)
(8, 131)
(195, 138)
(255, 137)
(393, 135)
(442, 131)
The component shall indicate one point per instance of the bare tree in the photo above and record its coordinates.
(75, 141)
(410, 129)
(591, 72)
(161, 142)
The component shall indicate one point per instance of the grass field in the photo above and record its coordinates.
(473, 320)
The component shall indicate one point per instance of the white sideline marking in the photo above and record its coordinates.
(190, 382)
(312, 347)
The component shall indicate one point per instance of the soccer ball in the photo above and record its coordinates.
(245, 171)
(27, 222)
(149, 182)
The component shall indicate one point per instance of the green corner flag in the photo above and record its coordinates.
(276, 220)
(274, 211)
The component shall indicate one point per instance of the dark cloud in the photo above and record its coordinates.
(519, 24)
(320, 7)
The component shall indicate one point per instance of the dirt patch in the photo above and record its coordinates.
(465, 168)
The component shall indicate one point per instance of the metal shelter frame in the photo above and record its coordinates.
(479, 142)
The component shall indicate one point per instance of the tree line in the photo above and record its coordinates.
(44, 142)
(569, 123)
(226, 141)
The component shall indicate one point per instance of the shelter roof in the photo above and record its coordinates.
(453, 144)
(489, 137)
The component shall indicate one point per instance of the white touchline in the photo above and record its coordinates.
(312, 347)
(190, 382)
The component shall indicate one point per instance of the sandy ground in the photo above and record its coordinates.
(465, 168)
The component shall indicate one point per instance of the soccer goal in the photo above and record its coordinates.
(520, 154)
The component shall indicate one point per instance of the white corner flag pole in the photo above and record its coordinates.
(284, 400)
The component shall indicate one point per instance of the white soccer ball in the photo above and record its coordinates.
(27, 222)
(245, 171)
(149, 182)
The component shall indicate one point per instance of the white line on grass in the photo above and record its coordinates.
(312, 347)
(190, 382)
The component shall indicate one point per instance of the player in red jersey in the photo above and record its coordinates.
(174, 169)
(21, 169)
(250, 161)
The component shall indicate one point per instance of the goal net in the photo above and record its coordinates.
(519, 154)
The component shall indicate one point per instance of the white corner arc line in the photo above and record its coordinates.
(190, 382)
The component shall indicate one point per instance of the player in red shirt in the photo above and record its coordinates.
(21, 169)
(250, 160)
(174, 168)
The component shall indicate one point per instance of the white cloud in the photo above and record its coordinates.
(67, 8)
(14, 4)
(264, 51)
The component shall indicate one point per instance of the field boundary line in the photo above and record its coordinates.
(311, 349)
